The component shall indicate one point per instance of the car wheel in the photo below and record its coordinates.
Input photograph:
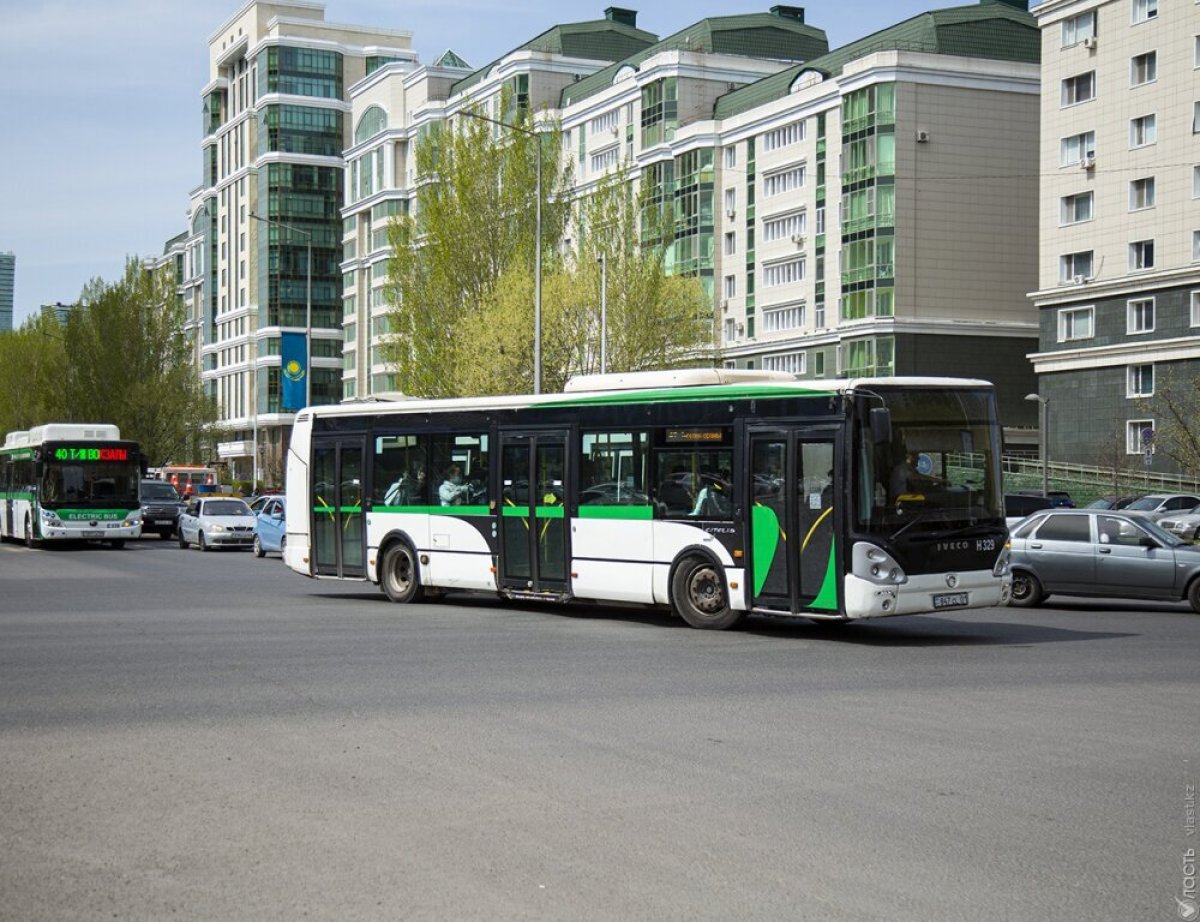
(398, 574)
(1193, 595)
(182, 541)
(201, 543)
(1026, 590)
(283, 548)
(698, 594)
(164, 535)
(258, 548)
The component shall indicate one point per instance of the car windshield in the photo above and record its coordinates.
(160, 491)
(226, 507)
(940, 468)
(1146, 504)
(1160, 534)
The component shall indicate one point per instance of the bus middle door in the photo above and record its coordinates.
(533, 524)
(793, 486)
(339, 534)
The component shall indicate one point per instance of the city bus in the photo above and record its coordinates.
(70, 481)
(712, 492)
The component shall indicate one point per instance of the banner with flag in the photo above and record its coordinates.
(294, 360)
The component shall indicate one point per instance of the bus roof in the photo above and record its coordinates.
(63, 432)
(753, 384)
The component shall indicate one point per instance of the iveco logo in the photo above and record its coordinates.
(951, 580)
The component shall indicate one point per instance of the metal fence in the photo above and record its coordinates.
(1083, 481)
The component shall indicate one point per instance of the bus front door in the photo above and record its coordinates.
(338, 530)
(793, 485)
(533, 524)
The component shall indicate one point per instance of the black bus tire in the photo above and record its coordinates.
(698, 595)
(398, 574)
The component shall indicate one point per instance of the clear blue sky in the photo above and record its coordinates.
(101, 106)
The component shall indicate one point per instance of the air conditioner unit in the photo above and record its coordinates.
(1087, 163)
(741, 328)
(799, 239)
(922, 137)
(725, 305)
(1089, 42)
(616, 130)
(730, 213)
(1079, 279)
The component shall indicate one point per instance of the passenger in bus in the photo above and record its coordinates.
(453, 492)
(408, 490)
(713, 498)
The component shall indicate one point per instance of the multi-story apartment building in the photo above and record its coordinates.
(1119, 271)
(861, 211)
(8, 272)
(274, 128)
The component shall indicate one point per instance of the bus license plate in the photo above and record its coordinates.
(950, 600)
(93, 534)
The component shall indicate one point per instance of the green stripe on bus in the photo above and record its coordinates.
(28, 497)
(764, 531)
(617, 512)
(435, 510)
(344, 510)
(550, 512)
(695, 394)
(827, 597)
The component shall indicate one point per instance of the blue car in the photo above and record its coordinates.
(270, 527)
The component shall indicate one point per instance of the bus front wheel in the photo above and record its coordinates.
(699, 596)
(398, 574)
(30, 540)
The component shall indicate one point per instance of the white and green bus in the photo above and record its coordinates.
(69, 481)
(718, 493)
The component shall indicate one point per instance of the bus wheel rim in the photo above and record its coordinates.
(704, 590)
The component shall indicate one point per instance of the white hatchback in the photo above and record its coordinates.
(217, 522)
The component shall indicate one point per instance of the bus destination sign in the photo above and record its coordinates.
(91, 454)
(676, 436)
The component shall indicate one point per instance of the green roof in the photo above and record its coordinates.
(754, 35)
(593, 40)
(991, 29)
(450, 59)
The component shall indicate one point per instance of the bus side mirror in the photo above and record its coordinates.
(881, 425)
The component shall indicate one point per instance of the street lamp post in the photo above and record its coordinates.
(603, 313)
(1044, 426)
(537, 277)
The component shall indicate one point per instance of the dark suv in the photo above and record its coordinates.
(161, 506)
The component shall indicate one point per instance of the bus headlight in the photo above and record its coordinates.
(134, 517)
(1003, 565)
(50, 517)
(877, 565)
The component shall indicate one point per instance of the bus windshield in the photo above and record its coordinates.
(90, 482)
(940, 469)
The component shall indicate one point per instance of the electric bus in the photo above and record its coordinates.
(70, 481)
(718, 493)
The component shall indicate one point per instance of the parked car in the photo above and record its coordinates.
(1057, 497)
(161, 506)
(223, 521)
(270, 527)
(1156, 505)
(256, 503)
(1019, 505)
(1185, 525)
(1111, 502)
(1099, 553)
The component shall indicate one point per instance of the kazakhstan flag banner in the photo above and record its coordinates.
(295, 371)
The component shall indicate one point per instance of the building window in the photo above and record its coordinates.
(786, 317)
(1140, 381)
(1077, 28)
(1143, 68)
(605, 159)
(606, 122)
(1195, 318)
(786, 181)
(1075, 267)
(730, 289)
(1196, 246)
(1139, 316)
(1076, 323)
(791, 362)
(1196, 118)
(730, 157)
(1078, 89)
(1143, 131)
(1141, 193)
(1139, 436)
(1075, 209)
(785, 226)
(783, 137)
(784, 273)
(1076, 148)
(730, 244)
(730, 202)
(730, 329)
(1141, 255)
(1196, 182)
(1144, 10)
(819, 364)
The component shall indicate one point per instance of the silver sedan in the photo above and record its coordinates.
(217, 522)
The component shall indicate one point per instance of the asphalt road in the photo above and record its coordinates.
(210, 736)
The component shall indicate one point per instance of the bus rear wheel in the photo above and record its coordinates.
(398, 574)
(699, 596)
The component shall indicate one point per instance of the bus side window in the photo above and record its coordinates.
(613, 469)
(693, 473)
(399, 471)
(461, 457)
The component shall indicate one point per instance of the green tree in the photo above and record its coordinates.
(130, 364)
(33, 363)
(475, 220)
(1175, 408)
